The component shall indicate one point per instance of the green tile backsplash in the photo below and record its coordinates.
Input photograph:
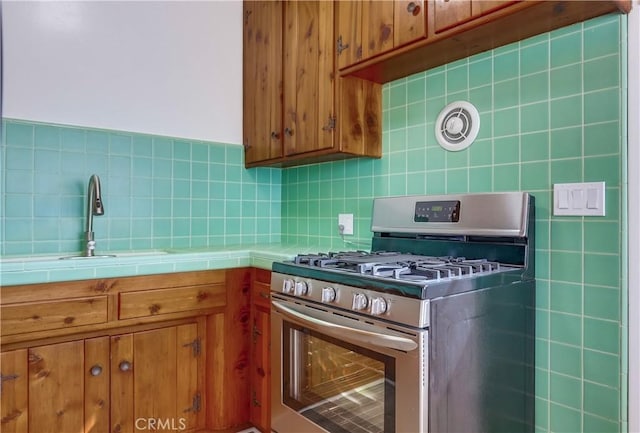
(158, 192)
(550, 110)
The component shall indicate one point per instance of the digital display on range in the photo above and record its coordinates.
(437, 211)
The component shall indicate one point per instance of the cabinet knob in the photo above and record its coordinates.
(413, 8)
(275, 135)
(96, 370)
(288, 131)
(125, 366)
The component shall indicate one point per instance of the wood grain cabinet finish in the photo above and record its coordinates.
(164, 301)
(34, 316)
(366, 29)
(169, 349)
(260, 351)
(156, 377)
(453, 29)
(291, 113)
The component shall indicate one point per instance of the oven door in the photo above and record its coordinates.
(332, 371)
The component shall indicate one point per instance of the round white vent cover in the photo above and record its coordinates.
(457, 126)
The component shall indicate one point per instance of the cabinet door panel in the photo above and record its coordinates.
(56, 378)
(260, 369)
(377, 31)
(14, 397)
(262, 69)
(154, 362)
(410, 22)
(122, 383)
(486, 6)
(96, 385)
(349, 32)
(308, 77)
(448, 13)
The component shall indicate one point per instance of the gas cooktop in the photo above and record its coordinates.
(399, 266)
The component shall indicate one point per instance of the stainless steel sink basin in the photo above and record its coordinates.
(103, 256)
(124, 255)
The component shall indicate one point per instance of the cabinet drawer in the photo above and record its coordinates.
(165, 301)
(41, 316)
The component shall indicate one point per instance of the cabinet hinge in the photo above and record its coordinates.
(340, 47)
(256, 333)
(5, 377)
(254, 400)
(196, 404)
(196, 346)
(331, 125)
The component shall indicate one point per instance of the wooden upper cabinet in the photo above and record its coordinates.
(295, 107)
(369, 28)
(262, 78)
(410, 22)
(309, 113)
(449, 13)
(443, 31)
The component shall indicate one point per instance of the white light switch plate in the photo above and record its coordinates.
(346, 221)
(579, 199)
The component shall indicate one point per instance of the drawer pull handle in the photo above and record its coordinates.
(125, 366)
(96, 370)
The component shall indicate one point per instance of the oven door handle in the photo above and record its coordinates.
(355, 331)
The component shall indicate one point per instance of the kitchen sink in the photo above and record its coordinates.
(124, 254)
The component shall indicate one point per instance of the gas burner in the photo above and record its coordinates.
(398, 266)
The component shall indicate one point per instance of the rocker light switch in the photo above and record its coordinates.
(579, 199)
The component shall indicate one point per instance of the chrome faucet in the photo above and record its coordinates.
(94, 207)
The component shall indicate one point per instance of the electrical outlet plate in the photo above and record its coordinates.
(345, 220)
(579, 199)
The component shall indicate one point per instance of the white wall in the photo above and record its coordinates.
(159, 67)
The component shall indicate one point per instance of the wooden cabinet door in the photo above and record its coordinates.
(14, 381)
(155, 380)
(56, 384)
(366, 29)
(377, 28)
(261, 369)
(410, 22)
(309, 117)
(262, 80)
(96, 385)
(260, 362)
(450, 13)
(348, 32)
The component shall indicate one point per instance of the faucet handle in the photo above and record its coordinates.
(91, 245)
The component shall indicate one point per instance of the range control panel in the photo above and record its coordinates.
(437, 211)
(368, 302)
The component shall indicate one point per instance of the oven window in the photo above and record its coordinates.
(339, 386)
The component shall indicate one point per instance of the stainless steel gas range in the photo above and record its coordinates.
(431, 331)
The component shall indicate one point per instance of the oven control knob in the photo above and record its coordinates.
(328, 294)
(287, 286)
(360, 301)
(378, 306)
(301, 288)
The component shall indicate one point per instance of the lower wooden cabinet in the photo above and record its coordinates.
(260, 364)
(180, 366)
(148, 380)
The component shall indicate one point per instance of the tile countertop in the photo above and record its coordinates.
(45, 269)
